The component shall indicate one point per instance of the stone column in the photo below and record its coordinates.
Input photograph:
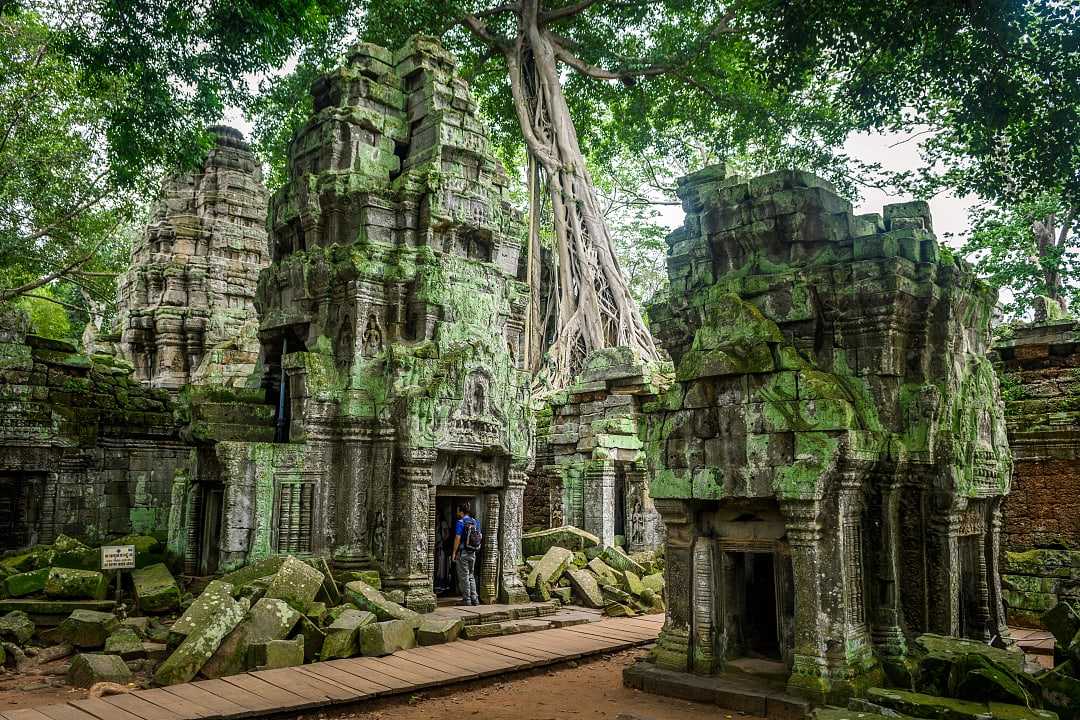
(706, 653)
(410, 535)
(352, 515)
(511, 589)
(487, 575)
(997, 606)
(672, 650)
(885, 625)
(319, 461)
(599, 504)
(943, 567)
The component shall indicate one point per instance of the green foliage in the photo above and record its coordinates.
(1005, 251)
(46, 317)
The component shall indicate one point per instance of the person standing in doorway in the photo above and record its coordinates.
(467, 542)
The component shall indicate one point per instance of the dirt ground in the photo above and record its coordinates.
(586, 689)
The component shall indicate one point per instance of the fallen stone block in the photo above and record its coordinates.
(586, 588)
(86, 669)
(927, 706)
(482, 630)
(88, 628)
(16, 627)
(71, 583)
(631, 583)
(1063, 621)
(276, 654)
(343, 635)
(603, 571)
(156, 590)
(201, 643)
(217, 596)
(26, 583)
(619, 560)
(1059, 690)
(68, 552)
(296, 582)
(269, 619)
(316, 611)
(563, 594)
(258, 569)
(155, 652)
(384, 638)
(371, 577)
(977, 677)
(616, 609)
(126, 643)
(395, 596)
(567, 536)
(554, 563)
(435, 631)
(314, 637)
(938, 654)
(654, 582)
(140, 624)
(368, 598)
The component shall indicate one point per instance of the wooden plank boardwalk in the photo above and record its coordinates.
(336, 682)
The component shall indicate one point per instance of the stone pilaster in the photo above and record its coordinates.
(706, 647)
(408, 554)
(672, 650)
(885, 622)
(511, 589)
(487, 574)
(599, 501)
(352, 508)
(996, 602)
(943, 568)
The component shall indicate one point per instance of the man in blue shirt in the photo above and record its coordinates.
(467, 540)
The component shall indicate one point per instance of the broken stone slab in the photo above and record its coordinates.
(88, 628)
(586, 588)
(1060, 689)
(269, 619)
(70, 583)
(26, 583)
(631, 583)
(1063, 622)
(368, 598)
(16, 627)
(201, 643)
(927, 706)
(126, 643)
(387, 637)
(554, 563)
(977, 677)
(217, 596)
(156, 590)
(436, 630)
(371, 577)
(563, 594)
(619, 560)
(155, 652)
(335, 612)
(316, 611)
(938, 654)
(604, 571)
(68, 552)
(396, 595)
(567, 536)
(343, 635)
(314, 637)
(654, 582)
(86, 670)
(276, 654)
(140, 625)
(51, 612)
(295, 582)
(617, 609)
(258, 569)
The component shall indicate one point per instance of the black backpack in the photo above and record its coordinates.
(471, 537)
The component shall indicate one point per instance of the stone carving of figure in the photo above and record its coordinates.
(478, 400)
(378, 536)
(637, 523)
(373, 342)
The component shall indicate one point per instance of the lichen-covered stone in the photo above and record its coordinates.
(314, 637)
(586, 588)
(75, 584)
(156, 590)
(296, 582)
(126, 643)
(88, 628)
(201, 642)
(540, 541)
(87, 669)
(68, 552)
(387, 637)
(17, 627)
(26, 583)
(368, 598)
(215, 599)
(276, 654)
(1063, 621)
(554, 563)
(343, 635)
(435, 631)
(619, 560)
(268, 619)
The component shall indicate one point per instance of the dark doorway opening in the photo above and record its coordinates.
(446, 578)
(620, 501)
(20, 509)
(212, 500)
(756, 604)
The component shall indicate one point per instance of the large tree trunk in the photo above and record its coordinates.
(595, 309)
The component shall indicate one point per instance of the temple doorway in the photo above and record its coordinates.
(445, 581)
(20, 509)
(755, 612)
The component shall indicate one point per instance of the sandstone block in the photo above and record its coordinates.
(269, 619)
(201, 642)
(217, 596)
(343, 635)
(567, 536)
(554, 563)
(276, 654)
(88, 628)
(156, 590)
(126, 643)
(26, 583)
(86, 669)
(435, 631)
(389, 636)
(296, 582)
(75, 584)
(368, 598)
(16, 627)
(586, 588)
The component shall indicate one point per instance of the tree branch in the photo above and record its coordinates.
(6, 295)
(480, 29)
(580, 7)
(69, 306)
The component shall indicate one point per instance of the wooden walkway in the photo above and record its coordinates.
(348, 681)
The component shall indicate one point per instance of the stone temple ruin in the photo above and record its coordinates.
(391, 324)
(186, 303)
(831, 462)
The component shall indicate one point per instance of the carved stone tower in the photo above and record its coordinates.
(185, 304)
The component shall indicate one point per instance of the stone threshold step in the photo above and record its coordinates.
(732, 691)
(509, 627)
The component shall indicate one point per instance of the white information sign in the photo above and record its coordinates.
(117, 557)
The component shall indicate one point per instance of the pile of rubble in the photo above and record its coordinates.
(954, 679)
(569, 564)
